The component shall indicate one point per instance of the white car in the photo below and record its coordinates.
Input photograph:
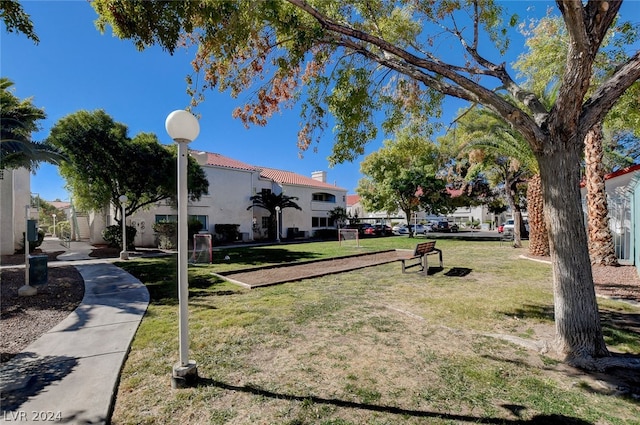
(401, 229)
(509, 224)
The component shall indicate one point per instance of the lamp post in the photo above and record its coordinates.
(278, 224)
(124, 255)
(53, 216)
(183, 128)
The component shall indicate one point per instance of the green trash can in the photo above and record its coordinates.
(38, 270)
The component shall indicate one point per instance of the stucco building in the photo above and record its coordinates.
(231, 184)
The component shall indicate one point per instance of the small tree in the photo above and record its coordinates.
(104, 163)
(402, 175)
(269, 201)
(338, 216)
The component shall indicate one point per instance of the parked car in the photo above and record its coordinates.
(508, 225)
(418, 229)
(400, 229)
(444, 226)
(382, 230)
(363, 228)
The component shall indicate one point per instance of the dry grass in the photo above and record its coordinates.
(370, 346)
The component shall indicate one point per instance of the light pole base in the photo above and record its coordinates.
(184, 376)
(124, 255)
(27, 291)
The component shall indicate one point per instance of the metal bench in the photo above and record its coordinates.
(422, 251)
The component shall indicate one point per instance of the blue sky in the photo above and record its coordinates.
(74, 67)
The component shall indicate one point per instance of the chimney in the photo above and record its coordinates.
(320, 176)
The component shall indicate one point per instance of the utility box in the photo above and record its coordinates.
(32, 230)
(38, 270)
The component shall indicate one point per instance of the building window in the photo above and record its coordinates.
(265, 192)
(202, 219)
(265, 222)
(172, 218)
(166, 218)
(324, 197)
(319, 221)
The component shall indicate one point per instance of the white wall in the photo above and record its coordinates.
(15, 194)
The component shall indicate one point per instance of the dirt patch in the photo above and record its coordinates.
(273, 275)
(25, 319)
(619, 282)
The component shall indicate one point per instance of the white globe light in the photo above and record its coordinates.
(182, 125)
(123, 198)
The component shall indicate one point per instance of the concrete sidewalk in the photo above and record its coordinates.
(71, 373)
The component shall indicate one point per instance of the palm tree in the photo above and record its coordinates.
(18, 119)
(270, 201)
(493, 148)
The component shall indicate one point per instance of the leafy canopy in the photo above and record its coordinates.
(402, 175)
(104, 163)
(18, 119)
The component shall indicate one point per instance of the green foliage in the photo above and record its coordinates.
(339, 216)
(228, 232)
(18, 119)
(402, 174)
(16, 20)
(326, 234)
(104, 163)
(113, 236)
(543, 64)
(167, 234)
(269, 201)
(32, 244)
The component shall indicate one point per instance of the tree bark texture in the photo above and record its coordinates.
(601, 246)
(510, 192)
(578, 329)
(538, 235)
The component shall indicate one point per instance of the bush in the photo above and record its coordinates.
(32, 244)
(228, 232)
(167, 234)
(113, 236)
(193, 226)
(326, 234)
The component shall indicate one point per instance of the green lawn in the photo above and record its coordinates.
(371, 346)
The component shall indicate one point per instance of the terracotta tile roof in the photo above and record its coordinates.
(223, 161)
(352, 200)
(60, 204)
(288, 177)
(621, 172)
(279, 176)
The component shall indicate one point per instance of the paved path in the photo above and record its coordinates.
(71, 373)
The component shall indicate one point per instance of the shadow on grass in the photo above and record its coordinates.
(261, 256)
(458, 272)
(516, 410)
(620, 330)
(532, 311)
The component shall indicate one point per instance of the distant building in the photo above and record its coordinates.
(623, 201)
(231, 184)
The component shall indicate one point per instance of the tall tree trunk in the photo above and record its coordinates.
(578, 329)
(601, 246)
(538, 236)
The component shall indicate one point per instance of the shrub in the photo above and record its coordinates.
(32, 244)
(167, 234)
(113, 236)
(228, 232)
(326, 234)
